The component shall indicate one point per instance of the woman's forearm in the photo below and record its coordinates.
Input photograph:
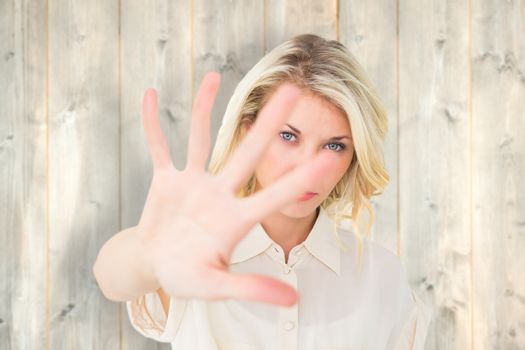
(122, 268)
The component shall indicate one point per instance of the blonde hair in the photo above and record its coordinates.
(328, 70)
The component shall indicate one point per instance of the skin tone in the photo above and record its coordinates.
(317, 124)
(192, 221)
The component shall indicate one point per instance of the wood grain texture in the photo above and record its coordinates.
(286, 19)
(229, 39)
(368, 30)
(23, 165)
(83, 173)
(498, 165)
(434, 164)
(156, 51)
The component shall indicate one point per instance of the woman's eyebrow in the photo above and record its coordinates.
(332, 138)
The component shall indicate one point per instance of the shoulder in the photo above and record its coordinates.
(384, 260)
(383, 276)
(375, 255)
(381, 267)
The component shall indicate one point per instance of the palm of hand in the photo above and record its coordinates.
(192, 221)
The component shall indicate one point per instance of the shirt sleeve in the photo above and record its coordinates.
(411, 334)
(147, 316)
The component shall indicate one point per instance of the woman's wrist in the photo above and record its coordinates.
(143, 243)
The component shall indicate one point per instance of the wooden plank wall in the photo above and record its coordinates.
(74, 167)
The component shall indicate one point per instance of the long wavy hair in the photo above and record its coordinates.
(328, 70)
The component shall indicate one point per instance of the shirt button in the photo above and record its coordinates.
(289, 325)
(287, 269)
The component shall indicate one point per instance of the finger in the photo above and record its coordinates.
(157, 144)
(287, 189)
(271, 117)
(255, 287)
(199, 139)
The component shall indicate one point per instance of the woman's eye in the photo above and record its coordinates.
(338, 146)
(286, 133)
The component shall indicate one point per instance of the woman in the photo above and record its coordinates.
(251, 254)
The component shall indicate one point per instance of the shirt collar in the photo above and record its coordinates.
(321, 242)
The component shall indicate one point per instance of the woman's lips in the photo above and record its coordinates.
(307, 196)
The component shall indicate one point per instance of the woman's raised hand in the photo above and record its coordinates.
(192, 221)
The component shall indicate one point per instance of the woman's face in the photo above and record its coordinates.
(317, 124)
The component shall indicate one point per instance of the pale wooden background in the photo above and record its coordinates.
(74, 167)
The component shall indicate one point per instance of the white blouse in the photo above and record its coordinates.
(339, 307)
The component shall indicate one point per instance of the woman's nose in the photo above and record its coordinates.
(306, 154)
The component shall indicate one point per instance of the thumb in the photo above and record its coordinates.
(258, 288)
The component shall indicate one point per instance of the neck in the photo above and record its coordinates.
(288, 232)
